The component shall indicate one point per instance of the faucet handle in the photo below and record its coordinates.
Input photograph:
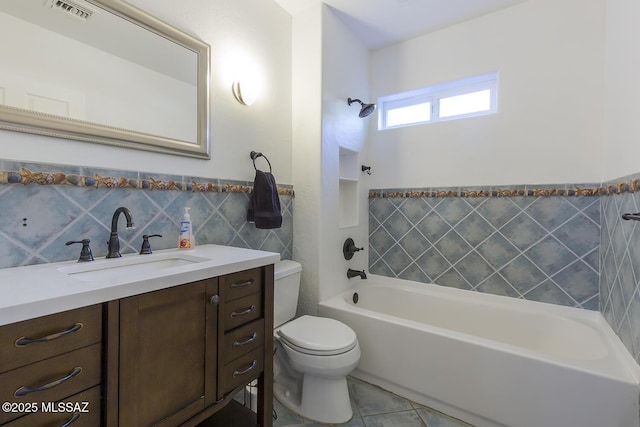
(85, 252)
(146, 246)
(349, 248)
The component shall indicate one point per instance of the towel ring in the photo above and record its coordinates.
(254, 155)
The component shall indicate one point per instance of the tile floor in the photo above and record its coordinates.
(374, 407)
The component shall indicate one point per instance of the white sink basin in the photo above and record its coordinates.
(128, 266)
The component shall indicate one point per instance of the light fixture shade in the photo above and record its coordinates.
(244, 92)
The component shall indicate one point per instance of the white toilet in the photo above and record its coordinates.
(313, 355)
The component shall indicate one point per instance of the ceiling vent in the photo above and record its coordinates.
(72, 9)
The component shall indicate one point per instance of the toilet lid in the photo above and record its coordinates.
(318, 335)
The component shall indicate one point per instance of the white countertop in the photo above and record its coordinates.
(38, 290)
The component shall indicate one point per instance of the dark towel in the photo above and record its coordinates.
(264, 204)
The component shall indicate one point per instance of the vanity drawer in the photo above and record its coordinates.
(56, 378)
(79, 410)
(240, 284)
(242, 340)
(32, 340)
(240, 371)
(240, 311)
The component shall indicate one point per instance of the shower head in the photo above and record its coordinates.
(366, 108)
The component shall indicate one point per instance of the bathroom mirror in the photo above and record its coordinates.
(103, 71)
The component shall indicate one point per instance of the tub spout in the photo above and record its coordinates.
(353, 273)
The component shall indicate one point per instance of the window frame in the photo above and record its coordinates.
(434, 94)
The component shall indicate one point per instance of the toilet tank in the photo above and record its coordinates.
(286, 289)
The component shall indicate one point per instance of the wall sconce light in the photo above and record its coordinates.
(245, 92)
(243, 73)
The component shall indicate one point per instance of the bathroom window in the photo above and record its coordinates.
(470, 97)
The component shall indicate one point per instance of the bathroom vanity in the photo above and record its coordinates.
(164, 346)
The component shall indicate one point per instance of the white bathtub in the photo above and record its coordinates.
(490, 360)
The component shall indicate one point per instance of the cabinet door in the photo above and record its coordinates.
(164, 354)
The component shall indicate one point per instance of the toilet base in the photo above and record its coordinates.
(325, 400)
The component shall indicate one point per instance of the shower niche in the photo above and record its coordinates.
(348, 189)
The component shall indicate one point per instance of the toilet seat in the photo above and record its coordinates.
(318, 336)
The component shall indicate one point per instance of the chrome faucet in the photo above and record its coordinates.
(353, 273)
(114, 242)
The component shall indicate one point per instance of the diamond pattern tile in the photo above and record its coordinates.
(499, 210)
(474, 268)
(537, 248)
(433, 227)
(453, 247)
(433, 263)
(453, 209)
(578, 280)
(414, 209)
(549, 292)
(497, 285)
(498, 250)
(551, 212)
(550, 255)
(58, 213)
(397, 224)
(414, 244)
(523, 231)
(381, 208)
(475, 229)
(522, 274)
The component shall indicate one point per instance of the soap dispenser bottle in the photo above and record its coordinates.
(185, 240)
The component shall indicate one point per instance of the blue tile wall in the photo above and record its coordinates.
(536, 247)
(38, 217)
(620, 268)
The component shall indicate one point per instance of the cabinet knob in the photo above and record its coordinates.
(215, 299)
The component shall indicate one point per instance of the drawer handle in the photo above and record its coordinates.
(23, 391)
(242, 313)
(75, 417)
(245, 342)
(251, 366)
(21, 342)
(243, 284)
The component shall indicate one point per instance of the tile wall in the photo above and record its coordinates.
(44, 205)
(541, 246)
(620, 267)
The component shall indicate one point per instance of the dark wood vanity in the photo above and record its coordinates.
(170, 357)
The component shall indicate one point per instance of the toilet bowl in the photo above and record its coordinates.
(313, 357)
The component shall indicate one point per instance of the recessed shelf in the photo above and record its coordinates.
(348, 203)
(348, 188)
(348, 164)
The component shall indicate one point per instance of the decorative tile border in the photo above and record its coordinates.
(568, 190)
(26, 176)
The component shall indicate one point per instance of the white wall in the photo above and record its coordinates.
(345, 71)
(621, 148)
(259, 32)
(307, 149)
(330, 65)
(549, 55)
